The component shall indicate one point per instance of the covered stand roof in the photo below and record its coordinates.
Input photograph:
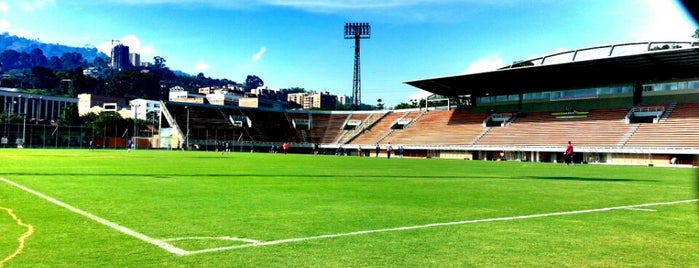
(647, 66)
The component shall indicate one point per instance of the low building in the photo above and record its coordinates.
(36, 109)
(89, 103)
(179, 94)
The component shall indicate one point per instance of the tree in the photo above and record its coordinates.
(158, 62)
(10, 59)
(72, 60)
(252, 81)
(37, 58)
(7, 117)
(69, 116)
(293, 90)
(43, 78)
(404, 105)
(109, 124)
(55, 63)
(100, 62)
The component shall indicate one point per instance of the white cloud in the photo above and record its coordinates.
(421, 10)
(664, 21)
(310, 5)
(4, 25)
(488, 63)
(134, 44)
(202, 66)
(22, 33)
(4, 8)
(30, 6)
(258, 56)
(420, 94)
(485, 64)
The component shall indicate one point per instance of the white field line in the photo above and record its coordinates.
(397, 229)
(642, 209)
(162, 244)
(255, 243)
(225, 238)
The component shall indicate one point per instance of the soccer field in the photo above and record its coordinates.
(110, 208)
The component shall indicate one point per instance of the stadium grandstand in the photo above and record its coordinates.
(632, 103)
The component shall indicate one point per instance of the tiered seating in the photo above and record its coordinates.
(380, 129)
(364, 118)
(205, 123)
(271, 127)
(326, 127)
(441, 127)
(600, 128)
(681, 129)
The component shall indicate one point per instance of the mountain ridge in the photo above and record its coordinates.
(22, 44)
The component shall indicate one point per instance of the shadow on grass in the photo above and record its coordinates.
(330, 176)
(582, 179)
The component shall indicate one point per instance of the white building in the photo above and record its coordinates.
(223, 97)
(141, 107)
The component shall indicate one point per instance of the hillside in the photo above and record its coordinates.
(21, 44)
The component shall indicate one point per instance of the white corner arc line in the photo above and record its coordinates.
(300, 239)
(162, 244)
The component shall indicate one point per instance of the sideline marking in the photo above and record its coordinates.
(300, 239)
(20, 247)
(162, 244)
(642, 209)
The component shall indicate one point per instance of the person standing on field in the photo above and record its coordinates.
(568, 156)
(285, 147)
(389, 148)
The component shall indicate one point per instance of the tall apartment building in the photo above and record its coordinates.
(135, 59)
(314, 100)
(120, 57)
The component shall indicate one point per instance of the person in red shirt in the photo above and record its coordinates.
(569, 154)
(285, 147)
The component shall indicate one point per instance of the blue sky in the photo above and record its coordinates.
(299, 43)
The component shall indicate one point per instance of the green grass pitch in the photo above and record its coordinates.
(110, 208)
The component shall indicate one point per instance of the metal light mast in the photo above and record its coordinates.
(356, 31)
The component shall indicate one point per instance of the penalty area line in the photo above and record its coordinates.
(160, 243)
(397, 229)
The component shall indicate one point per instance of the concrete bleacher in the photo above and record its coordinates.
(326, 127)
(360, 121)
(461, 127)
(599, 128)
(441, 127)
(679, 130)
(380, 129)
(271, 127)
(204, 123)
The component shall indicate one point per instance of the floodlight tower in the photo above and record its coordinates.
(356, 31)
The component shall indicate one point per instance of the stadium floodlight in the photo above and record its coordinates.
(357, 31)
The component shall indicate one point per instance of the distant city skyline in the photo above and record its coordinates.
(299, 43)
